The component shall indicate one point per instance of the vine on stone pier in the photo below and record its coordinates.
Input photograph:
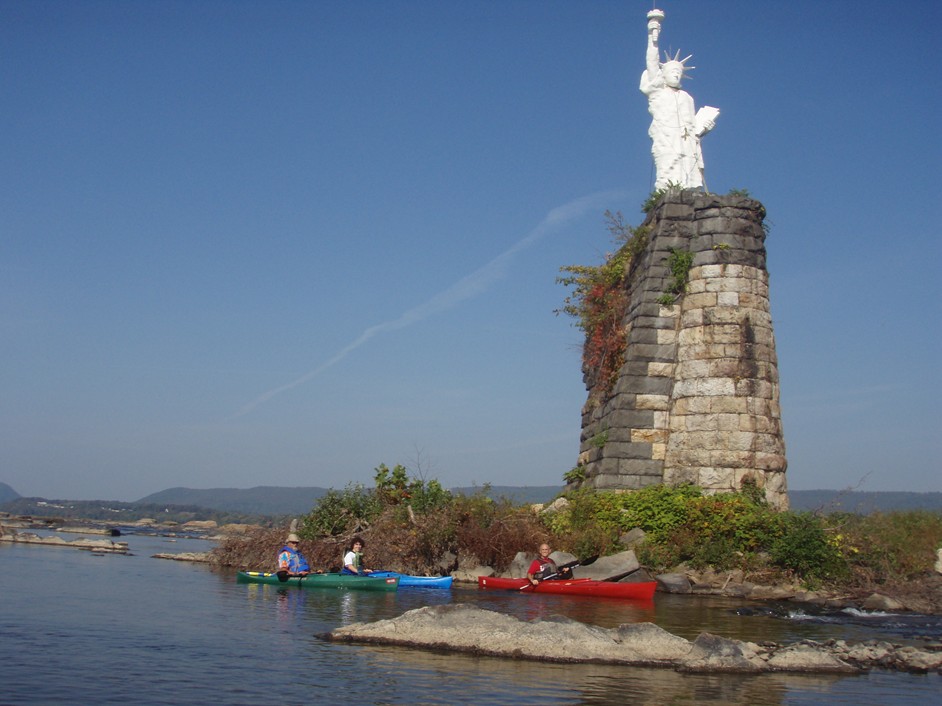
(599, 298)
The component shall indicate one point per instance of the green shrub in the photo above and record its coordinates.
(658, 509)
(803, 547)
(575, 474)
(341, 512)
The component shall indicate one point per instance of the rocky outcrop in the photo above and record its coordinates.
(917, 596)
(465, 628)
(94, 545)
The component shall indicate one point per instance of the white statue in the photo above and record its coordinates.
(675, 128)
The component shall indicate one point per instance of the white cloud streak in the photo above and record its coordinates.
(466, 288)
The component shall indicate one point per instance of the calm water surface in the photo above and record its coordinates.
(76, 628)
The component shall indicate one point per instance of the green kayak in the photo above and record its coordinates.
(344, 581)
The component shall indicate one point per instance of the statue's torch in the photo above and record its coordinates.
(654, 23)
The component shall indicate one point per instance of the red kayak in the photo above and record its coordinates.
(643, 590)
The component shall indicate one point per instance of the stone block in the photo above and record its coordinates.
(700, 301)
(676, 211)
(678, 476)
(722, 368)
(657, 322)
(627, 451)
(732, 459)
(750, 387)
(691, 318)
(660, 369)
(643, 335)
(748, 423)
(696, 286)
(728, 333)
(686, 458)
(631, 418)
(640, 467)
(666, 337)
(727, 405)
(692, 369)
(624, 482)
(701, 422)
(727, 299)
(648, 436)
(643, 385)
(716, 478)
(723, 315)
(649, 352)
(660, 402)
(706, 387)
(770, 461)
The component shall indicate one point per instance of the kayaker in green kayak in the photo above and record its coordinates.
(543, 567)
(353, 559)
(291, 562)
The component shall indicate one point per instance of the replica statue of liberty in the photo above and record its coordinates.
(676, 128)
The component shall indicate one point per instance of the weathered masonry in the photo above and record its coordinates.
(697, 398)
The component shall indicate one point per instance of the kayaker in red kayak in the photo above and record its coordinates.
(544, 568)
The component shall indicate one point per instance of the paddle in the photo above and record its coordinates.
(284, 575)
(562, 568)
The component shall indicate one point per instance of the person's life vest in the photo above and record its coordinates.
(357, 563)
(296, 561)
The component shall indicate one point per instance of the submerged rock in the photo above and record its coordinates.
(466, 628)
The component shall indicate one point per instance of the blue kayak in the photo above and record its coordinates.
(406, 581)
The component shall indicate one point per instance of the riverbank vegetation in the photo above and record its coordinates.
(416, 526)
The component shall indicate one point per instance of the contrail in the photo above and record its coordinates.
(467, 287)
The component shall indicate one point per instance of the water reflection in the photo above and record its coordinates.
(584, 684)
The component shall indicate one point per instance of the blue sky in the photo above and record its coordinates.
(279, 243)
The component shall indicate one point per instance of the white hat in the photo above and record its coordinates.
(292, 538)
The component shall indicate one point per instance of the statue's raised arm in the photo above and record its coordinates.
(654, 31)
(676, 128)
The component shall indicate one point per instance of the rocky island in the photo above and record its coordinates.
(468, 629)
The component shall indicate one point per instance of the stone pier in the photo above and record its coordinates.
(697, 397)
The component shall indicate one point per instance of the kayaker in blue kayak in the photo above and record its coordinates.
(543, 567)
(353, 559)
(291, 560)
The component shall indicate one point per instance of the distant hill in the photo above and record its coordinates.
(7, 493)
(261, 500)
(523, 494)
(861, 502)
(237, 504)
(274, 500)
(120, 513)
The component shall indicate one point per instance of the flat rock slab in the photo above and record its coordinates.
(94, 545)
(465, 628)
(199, 557)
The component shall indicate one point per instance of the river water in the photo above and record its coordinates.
(80, 628)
